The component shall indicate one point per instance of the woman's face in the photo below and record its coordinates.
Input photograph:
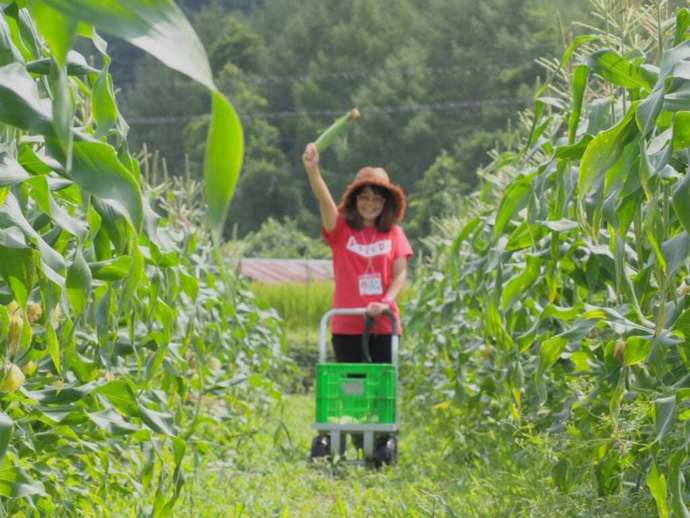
(369, 205)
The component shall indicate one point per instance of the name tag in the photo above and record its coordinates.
(370, 284)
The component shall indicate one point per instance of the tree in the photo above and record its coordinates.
(442, 76)
(436, 195)
(265, 188)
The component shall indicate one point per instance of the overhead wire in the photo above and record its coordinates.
(355, 73)
(402, 70)
(346, 74)
(448, 105)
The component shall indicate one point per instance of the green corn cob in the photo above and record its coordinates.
(335, 130)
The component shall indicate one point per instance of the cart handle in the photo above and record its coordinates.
(323, 330)
(369, 323)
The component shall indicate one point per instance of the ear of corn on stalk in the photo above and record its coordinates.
(34, 312)
(15, 335)
(12, 307)
(13, 378)
(336, 130)
(29, 368)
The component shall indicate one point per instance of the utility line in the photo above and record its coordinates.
(450, 105)
(358, 73)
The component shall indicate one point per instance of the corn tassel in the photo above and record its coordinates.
(336, 130)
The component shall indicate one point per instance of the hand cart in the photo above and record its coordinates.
(359, 399)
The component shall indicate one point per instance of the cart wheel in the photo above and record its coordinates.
(320, 447)
(386, 451)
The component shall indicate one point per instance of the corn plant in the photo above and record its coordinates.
(118, 319)
(560, 304)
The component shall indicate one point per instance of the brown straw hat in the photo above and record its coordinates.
(376, 176)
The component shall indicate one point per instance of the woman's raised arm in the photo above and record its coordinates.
(327, 207)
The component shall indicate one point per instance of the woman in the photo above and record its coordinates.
(370, 254)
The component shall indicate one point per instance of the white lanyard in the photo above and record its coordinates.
(370, 282)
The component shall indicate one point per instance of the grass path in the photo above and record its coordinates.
(272, 476)
(268, 473)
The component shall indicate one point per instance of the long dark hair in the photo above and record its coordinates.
(384, 221)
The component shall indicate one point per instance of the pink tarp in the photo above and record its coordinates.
(286, 270)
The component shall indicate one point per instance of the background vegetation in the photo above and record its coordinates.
(438, 84)
(118, 317)
(556, 303)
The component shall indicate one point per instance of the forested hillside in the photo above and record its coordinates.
(438, 83)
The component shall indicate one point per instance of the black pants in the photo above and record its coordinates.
(348, 348)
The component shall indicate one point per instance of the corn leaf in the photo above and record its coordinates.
(681, 195)
(103, 103)
(53, 262)
(577, 42)
(8, 50)
(678, 99)
(21, 105)
(578, 88)
(98, 171)
(561, 313)
(664, 416)
(57, 29)
(161, 29)
(24, 33)
(53, 347)
(76, 65)
(681, 131)
(520, 282)
(40, 191)
(514, 200)
(682, 24)
(121, 394)
(111, 269)
(603, 152)
(648, 110)
(156, 26)
(637, 348)
(657, 486)
(620, 71)
(11, 172)
(158, 421)
(550, 350)
(624, 168)
(672, 57)
(677, 482)
(112, 423)
(6, 427)
(224, 152)
(78, 283)
(676, 251)
(462, 236)
(19, 271)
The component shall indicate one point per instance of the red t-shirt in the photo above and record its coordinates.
(363, 268)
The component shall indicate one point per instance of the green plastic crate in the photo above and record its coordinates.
(349, 393)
